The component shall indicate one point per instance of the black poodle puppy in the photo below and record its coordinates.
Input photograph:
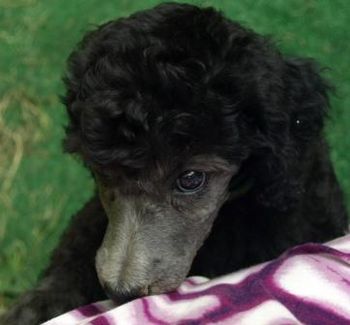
(207, 148)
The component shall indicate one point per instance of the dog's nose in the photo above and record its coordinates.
(122, 297)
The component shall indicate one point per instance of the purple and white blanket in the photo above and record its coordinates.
(308, 284)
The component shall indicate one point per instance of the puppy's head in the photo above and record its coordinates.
(167, 108)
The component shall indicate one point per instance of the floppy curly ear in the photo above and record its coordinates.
(307, 96)
(293, 131)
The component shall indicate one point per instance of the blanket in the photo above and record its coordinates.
(308, 284)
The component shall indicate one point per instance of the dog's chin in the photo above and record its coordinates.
(124, 296)
(161, 287)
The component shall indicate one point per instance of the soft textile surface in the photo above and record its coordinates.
(309, 284)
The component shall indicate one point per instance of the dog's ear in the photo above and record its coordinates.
(306, 94)
(292, 133)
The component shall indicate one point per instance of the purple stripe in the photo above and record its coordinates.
(89, 310)
(233, 299)
(334, 271)
(103, 320)
(313, 248)
(308, 312)
(150, 317)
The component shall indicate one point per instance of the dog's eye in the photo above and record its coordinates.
(190, 181)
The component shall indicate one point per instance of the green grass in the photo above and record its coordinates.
(40, 187)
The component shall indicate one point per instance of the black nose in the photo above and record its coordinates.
(122, 296)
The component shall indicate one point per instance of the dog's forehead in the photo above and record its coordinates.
(158, 99)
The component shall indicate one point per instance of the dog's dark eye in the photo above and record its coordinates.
(190, 181)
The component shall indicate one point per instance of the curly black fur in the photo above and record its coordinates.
(177, 81)
(149, 82)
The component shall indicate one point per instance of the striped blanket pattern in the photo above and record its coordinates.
(308, 284)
